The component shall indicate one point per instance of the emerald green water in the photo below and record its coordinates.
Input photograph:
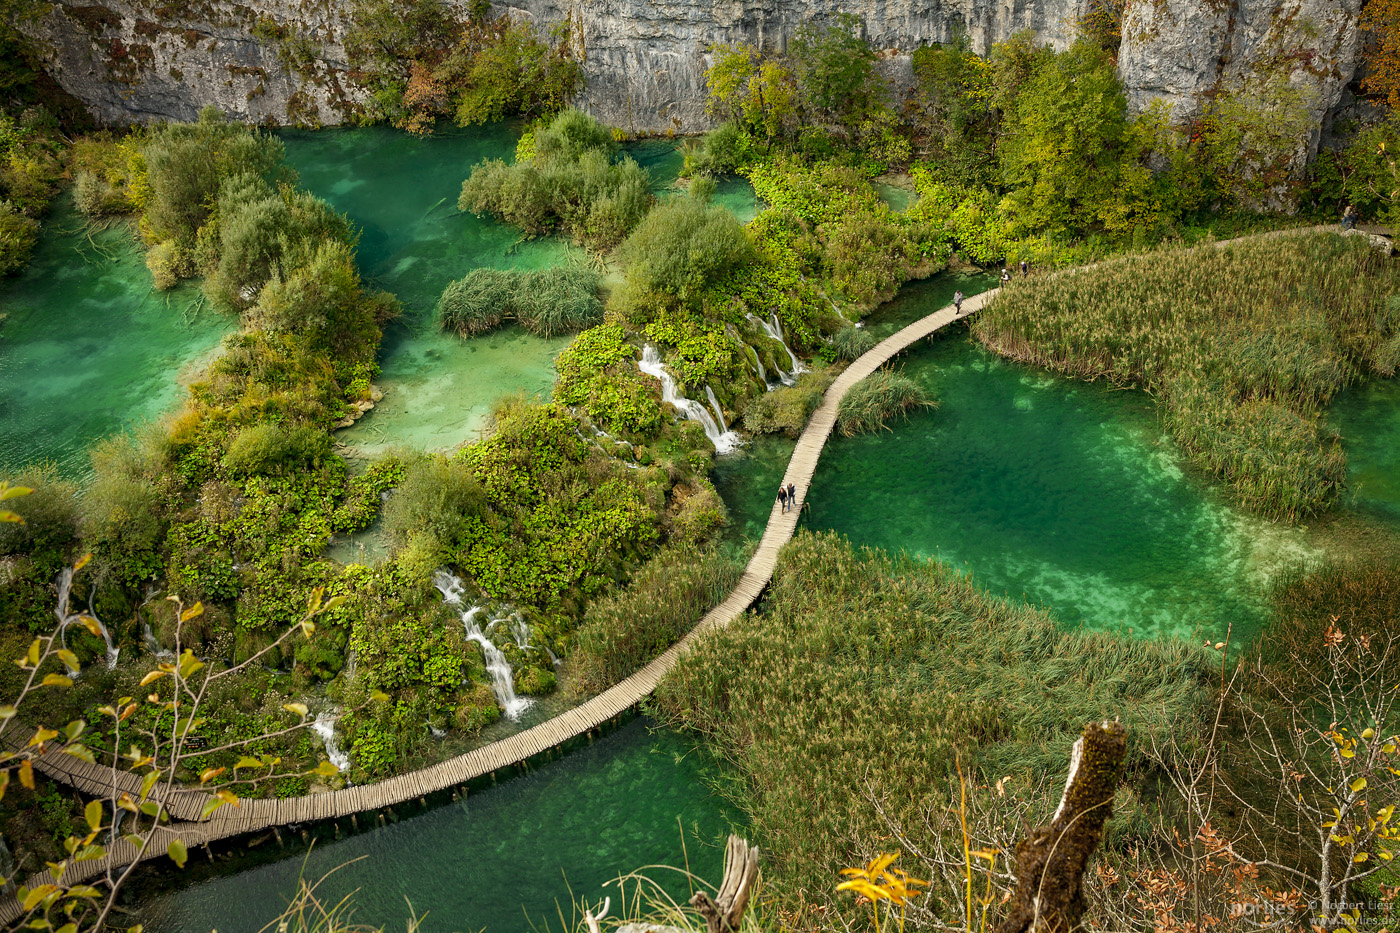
(1368, 418)
(1058, 493)
(498, 860)
(401, 191)
(88, 347)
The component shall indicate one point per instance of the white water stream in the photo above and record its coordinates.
(502, 677)
(324, 726)
(725, 441)
(774, 329)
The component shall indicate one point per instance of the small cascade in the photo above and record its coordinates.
(65, 587)
(324, 726)
(725, 441)
(435, 732)
(502, 677)
(758, 367)
(351, 664)
(774, 331)
(714, 403)
(148, 638)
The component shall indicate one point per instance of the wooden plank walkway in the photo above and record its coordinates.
(253, 815)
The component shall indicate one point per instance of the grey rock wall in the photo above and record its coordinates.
(645, 59)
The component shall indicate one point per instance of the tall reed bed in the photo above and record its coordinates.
(546, 303)
(1244, 347)
(873, 676)
(877, 399)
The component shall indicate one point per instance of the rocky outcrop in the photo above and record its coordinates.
(281, 60)
(1184, 53)
(273, 61)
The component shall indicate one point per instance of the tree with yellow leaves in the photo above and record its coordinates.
(1381, 20)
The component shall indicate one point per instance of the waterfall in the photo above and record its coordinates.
(149, 639)
(775, 331)
(758, 367)
(502, 678)
(714, 403)
(324, 726)
(725, 441)
(65, 586)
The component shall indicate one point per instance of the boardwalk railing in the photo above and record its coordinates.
(253, 815)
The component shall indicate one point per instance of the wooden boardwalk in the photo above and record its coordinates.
(256, 814)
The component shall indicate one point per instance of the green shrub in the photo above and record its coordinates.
(438, 497)
(682, 245)
(570, 182)
(787, 409)
(168, 264)
(511, 73)
(665, 599)
(598, 373)
(876, 399)
(476, 304)
(50, 516)
(18, 234)
(275, 448)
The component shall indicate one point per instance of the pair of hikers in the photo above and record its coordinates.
(1350, 216)
(787, 496)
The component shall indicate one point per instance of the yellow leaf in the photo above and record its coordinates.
(176, 851)
(247, 762)
(7, 712)
(26, 774)
(1360, 857)
(93, 814)
(1358, 785)
(148, 782)
(333, 603)
(210, 773)
(34, 648)
(298, 708)
(69, 659)
(1367, 732)
(326, 770)
(37, 894)
(57, 680)
(13, 492)
(80, 752)
(89, 623)
(212, 804)
(152, 677)
(227, 796)
(7, 516)
(193, 612)
(82, 562)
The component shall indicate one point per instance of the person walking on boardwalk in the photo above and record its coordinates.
(1025, 268)
(783, 497)
(1350, 217)
(792, 495)
(957, 303)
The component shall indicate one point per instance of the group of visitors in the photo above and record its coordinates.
(787, 496)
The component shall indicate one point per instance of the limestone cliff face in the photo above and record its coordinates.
(1183, 52)
(281, 60)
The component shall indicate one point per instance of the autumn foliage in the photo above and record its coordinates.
(1381, 20)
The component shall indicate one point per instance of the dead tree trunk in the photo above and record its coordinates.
(723, 914)
(1050, 862)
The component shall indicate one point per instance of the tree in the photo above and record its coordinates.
(1381, 20)
(1065, 135)
(835, 68)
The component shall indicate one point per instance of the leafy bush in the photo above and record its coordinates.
(876, 399)
(437, 497)
(274, 448)
(18, 234)
(186, 164)
(624, 630)
(682, 245)
(50, 516)
(571, 182)
(787, 409)
(598, 373)
(875, 674)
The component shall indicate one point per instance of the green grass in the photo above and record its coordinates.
(878, 398)
(873, 674)
(546, 303)
(1244, 347)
